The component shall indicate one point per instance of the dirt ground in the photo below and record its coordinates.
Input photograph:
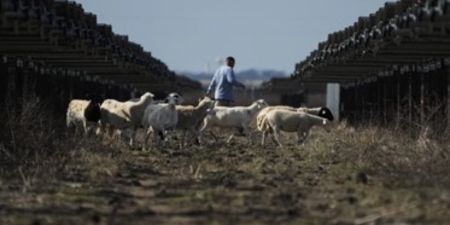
(238, 183)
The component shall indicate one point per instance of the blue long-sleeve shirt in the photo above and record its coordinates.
(222, 83)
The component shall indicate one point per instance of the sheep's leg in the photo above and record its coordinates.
(115, 134)
(264, 135)
(74, 129)
(273, 136)
(130, 143)
(162, 135)
(206, 126)
(153, 136)
(78, 130)
(195, 130)
(146, 137)
(184, 142)
(276, 134)
(241, 131)
(183, 136)
(102, 128)
(305, 135)
(301, 136)
(263, 138)
(267, 132)
(216, 139)
(85, 128)
(98, 130)
(197, 135)
(109, 131)
(230, 138)
(156, 137)
(165, 138)
(132, 136)
(68, 123)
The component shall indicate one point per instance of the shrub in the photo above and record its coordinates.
(35, 146)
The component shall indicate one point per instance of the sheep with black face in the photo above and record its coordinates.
(83, 114)
(290, 121)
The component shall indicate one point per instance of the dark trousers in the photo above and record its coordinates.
(220, 102)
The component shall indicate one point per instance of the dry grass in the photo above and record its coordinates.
(389, 154)
(364, 175)
(36, 148)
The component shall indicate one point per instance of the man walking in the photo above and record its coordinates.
(222, 83)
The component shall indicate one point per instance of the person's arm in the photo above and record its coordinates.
(212, 85)
(232, 80)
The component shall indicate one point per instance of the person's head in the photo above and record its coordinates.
(230, 61)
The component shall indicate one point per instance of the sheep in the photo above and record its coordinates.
(82, 114)
(318, 111)
(125, 115)
(160, 100)
(190, 117)
(238, 117)
(160, 117)
(262, 114)
(278, 120)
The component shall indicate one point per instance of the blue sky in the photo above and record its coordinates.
(192, 35)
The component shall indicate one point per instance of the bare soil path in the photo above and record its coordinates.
(220, 184)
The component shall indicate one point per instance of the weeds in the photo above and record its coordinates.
(389, 154)
(363, 175)
(36, 147)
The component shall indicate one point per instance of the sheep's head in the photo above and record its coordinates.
(92, 112)
(206, 101)
(174, 98)
(261, 103)
(326, 113)
(147, 95)
(95, 98)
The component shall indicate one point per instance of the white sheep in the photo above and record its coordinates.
(278, 120)
(238, 117)
(125, 115)
(323, 112)
(262, 114)
(160, 117)
(82, 114)
(190, 117)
